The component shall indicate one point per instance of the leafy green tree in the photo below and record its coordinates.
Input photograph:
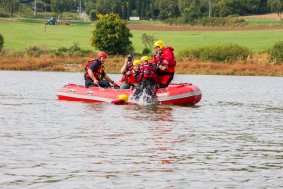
(139, 7)
(276, 6)
(130, 8)
(193, 12)
(152, 10)
(108, 6)
(228, 7)
(111, 35)
(124, 11)
(11, 6)
(168, 9)
(184, 4)
(1, 42)
(89, 5)
(58, 6)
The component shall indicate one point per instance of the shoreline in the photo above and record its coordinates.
(114, 65)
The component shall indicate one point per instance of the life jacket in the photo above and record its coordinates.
(166, 58)
(130, 79)
(99, 74)
(147, 72)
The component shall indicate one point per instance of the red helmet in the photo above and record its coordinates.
(102, 54)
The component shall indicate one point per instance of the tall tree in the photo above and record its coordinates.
(89, 5)
(168, 9)
(130, 8)
(11, 6)
(193, 12)
(139, 7)
(143, 10)
(108, 6)
(276, 6)
(58, 6)
(152, 12)
(183, 4)
(124, 11)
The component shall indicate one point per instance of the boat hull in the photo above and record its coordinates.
(175, 94)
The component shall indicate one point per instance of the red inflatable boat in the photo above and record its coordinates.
(176, 94)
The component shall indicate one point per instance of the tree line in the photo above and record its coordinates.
(150, 9)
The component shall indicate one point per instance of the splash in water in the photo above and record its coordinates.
(144, 94)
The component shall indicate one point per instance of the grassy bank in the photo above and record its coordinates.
(20, 35)
(254, 66)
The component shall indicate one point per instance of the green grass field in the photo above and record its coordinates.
(263, 22)
(20, 35)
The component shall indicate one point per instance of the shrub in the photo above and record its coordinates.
(92, 15)
(148, 41)
(35, 51)
(276, 52)
(225, 53)
(111, 35)
(220, 21)
(74, 50)
(2, 14)
(146, 51)
(189, 54)
(1, 42)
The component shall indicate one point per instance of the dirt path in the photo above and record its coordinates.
(198, 28)
(269, 16)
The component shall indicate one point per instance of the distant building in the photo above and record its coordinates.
(133, 18)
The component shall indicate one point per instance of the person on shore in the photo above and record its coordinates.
(147, 78)
(129, 79)
(94, 72)
(165, 63)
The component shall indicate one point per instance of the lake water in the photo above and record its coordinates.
(232, 139)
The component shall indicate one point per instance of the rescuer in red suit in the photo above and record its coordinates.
(165, 63)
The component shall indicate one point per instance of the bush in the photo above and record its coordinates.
(2, 14)
(111, 35)
(35, 51)
(225, 53)
(74, 50)
(146, 51)
(92, 15)
(1, 42)
(148, 41)
(276, 52)
(189, 54)
(220, 21)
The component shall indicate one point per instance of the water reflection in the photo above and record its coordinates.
(231, 141)
(152, 112)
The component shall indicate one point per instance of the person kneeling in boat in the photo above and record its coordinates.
(129, 79)
(94, 73)
(165, 62)
(125, 71)
(147, 78)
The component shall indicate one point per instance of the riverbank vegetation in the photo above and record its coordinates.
(233, 51)
(226, 59)
(181, 38)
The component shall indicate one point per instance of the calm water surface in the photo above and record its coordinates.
(232, 139)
